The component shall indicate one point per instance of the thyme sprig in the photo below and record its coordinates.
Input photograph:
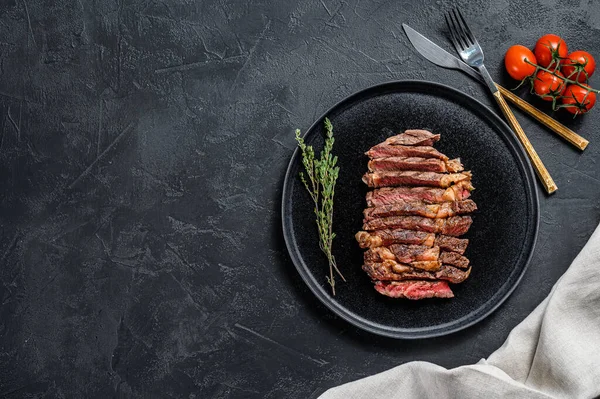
(319, 179)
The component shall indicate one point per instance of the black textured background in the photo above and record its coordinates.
(142, 150)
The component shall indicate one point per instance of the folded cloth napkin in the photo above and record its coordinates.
(553, 353)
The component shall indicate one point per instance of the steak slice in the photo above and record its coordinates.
(401, 208)
(452, 244)
(444, 210)
(454, 259)
(413, 137)
(411, 253)
(392, 195)
(412, 178)
(384, 150)
(454, 226)
(385, 272)
(386, 237)
(402, 163)
(375, 256)
(414, 290)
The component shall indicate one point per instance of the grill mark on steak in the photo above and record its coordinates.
(392, 195)
(385, 272)
(387, 150)
(413, 137)
(453, 259)
(453, 226)
(414, 208)
(453, 244)
(387, 237)
(414, 290)
(412, 178)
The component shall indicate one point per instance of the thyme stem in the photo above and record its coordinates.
(322, 174)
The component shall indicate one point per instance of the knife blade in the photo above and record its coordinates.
(437, 55)
(440, 57)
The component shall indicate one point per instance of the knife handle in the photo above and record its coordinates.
(538, 165)
(554, 125)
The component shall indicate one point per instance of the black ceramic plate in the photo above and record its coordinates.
(504, 229)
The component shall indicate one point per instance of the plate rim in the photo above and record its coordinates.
(422, 332)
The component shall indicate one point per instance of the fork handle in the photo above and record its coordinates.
(553, 124)
(538, 165)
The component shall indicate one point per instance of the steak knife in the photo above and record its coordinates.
(440, 57)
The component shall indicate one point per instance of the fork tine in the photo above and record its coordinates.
(452, 37)
(457, 33)
(453, 33)
(466, 26)
(460, 28)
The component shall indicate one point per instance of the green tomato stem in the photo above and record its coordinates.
(571, 81)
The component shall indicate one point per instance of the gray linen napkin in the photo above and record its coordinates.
(553, 353)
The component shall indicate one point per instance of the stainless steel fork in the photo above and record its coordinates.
(470, 51)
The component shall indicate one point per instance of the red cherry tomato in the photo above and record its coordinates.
(579, 65)
(549, 49)
(579, 99)
(514, 60)
(548, 86)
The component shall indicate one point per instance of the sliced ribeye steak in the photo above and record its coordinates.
(413, 178)
(398, 236)
(392, 195)
(454, 226)
(387, 150)
(414, 289)
(385, 272)
(413, 137)
(419, 208)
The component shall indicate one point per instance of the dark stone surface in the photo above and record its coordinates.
(142, 151)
